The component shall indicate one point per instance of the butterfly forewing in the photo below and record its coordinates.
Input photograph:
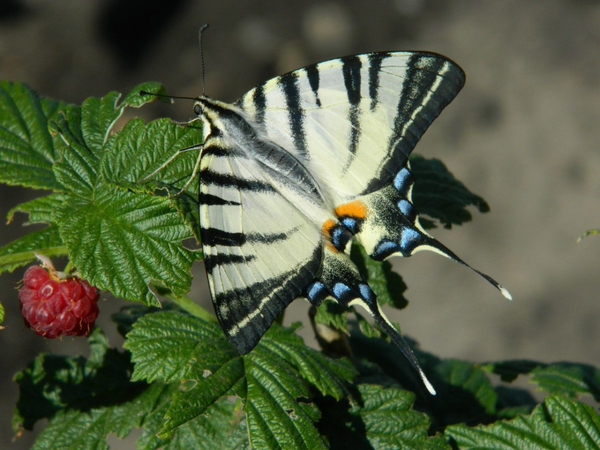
(353, 121)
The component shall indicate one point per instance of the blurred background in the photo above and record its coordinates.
(524, 134)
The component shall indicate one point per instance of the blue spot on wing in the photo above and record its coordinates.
(336, 235)
(409, 240)
(339, 237)
(340, 290)
(366, 293)
(351, 224)
(384, 249)
(405, 207)
(316, 292)
(403, 180)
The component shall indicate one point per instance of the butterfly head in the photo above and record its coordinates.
(219, 118)
(198, 107)
(205, 115)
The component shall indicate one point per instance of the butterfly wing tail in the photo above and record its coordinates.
(438, 247)
(391, 226)
(375, 311)
(341, 280)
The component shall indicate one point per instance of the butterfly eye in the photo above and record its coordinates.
(198, 109)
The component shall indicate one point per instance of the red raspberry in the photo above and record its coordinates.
(54, 304)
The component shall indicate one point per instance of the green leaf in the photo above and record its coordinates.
(510, 370)
(39, 210)
(565, 378)
(276, 418)
(140, 149)
(513, 402)
(332, 314)
(46, 241)
(21, 252)
(464, 392)
(392, 362)
(326, 374)
(77, 168)
(559, 422)
(274, 379)
(82, 132)
(76, 429)
(27, 150)
(120, 241)
(366, 328)
(98, 115)
(439, 195)
(86, 400)
(1, 314)
(198, 393)
(97, 118)
(65, 387)
(169, 346)
(130, 313)
(570, 379)
(378, 418)
(224, 427)
(470, 379)
(135, 100)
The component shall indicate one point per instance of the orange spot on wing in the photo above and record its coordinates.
(356, 209)
(326, 228)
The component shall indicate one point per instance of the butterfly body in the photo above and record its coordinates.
(301, 166)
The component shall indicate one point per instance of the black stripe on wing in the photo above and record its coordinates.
(375, 60)
(260, 103)
(431, 82)
(267, 238)
(351, 72)
(246, 313)
(215, 236)
(289, 86)
(312, 73)
(421, 75)
(210, 200)
(228, 180)
(215, 150)
(221, 259)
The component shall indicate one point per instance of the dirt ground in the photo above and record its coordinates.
(523, 134)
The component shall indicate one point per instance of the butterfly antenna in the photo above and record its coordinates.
(166, 96)
(200, 31)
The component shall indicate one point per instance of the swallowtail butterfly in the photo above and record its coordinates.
(303, 164)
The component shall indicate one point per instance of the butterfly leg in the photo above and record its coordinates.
(172, 158)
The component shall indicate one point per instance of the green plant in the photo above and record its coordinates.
(178, 378)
